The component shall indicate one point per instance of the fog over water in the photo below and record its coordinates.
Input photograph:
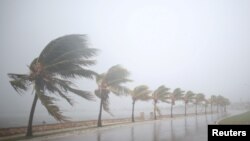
(196, 45)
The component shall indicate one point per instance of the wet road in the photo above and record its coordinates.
(179, 129)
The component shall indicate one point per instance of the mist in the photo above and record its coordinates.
(195, 45)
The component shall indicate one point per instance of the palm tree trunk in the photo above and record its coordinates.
(133, 107)
(185, 109)
(155, 110)
(99, 123)
(211, 108)
(195, 109)
(217, 108)
(32, 111)
(171, 110)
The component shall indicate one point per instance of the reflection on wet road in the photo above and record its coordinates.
(180, 129)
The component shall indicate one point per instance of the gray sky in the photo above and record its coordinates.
(196, 45)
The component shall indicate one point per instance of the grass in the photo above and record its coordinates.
(237, 119)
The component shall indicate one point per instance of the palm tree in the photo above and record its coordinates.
(206, 102)
(111, 81)
(222, 102)
(218, 101)
(212, 101)
(160, 94)
(188, 97)
(61, 59)
(197, 100)
(176, 95)
(225, 103)
(139, 93)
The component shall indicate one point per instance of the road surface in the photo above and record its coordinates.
(193, 128)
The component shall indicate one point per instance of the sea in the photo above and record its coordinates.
(40, 118)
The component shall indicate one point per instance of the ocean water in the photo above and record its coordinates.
(21, 119)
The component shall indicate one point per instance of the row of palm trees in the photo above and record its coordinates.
(162, 94)
(68, 57)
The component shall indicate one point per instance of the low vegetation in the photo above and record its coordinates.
(237, 119)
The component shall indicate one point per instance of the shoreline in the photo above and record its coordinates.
(80, 126)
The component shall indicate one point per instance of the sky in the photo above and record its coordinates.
(195, 45)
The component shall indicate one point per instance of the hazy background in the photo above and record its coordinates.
(196, 45)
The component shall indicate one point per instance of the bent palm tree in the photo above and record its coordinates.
(197, 100)
(212, 101)
(217, 102)
(61, 59)
(160, 94)
(188, 97)
(110, 82)
(176, 95)
(139, 93)
(222, 102)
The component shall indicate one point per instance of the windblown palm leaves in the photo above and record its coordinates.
(139, 93)
(222, 102)
(176, 95)
(188, 97)
(63, 58)
(111, 81)
(160, 94)
(197, 100)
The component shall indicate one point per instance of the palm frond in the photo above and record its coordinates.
(103, 95)
(74, 71)
(66, 86)
(100, 78)
(188, 97)
(67, 98)
(117, 74)
(18, 76)
(77, 53)
(189, 94)
(84, 94)
(199, 98)
(33, 65)
(177, 94)
(48, 103)
(119, 81)
(161, 93)
(119, 90)
(19, 82)
(81, 62)
(65, 48)
(140, 88)
(53, 87)
(144, 96)
(141, 93)
(106, 105)
(100, 92)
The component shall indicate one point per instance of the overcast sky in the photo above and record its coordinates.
(198, 45)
